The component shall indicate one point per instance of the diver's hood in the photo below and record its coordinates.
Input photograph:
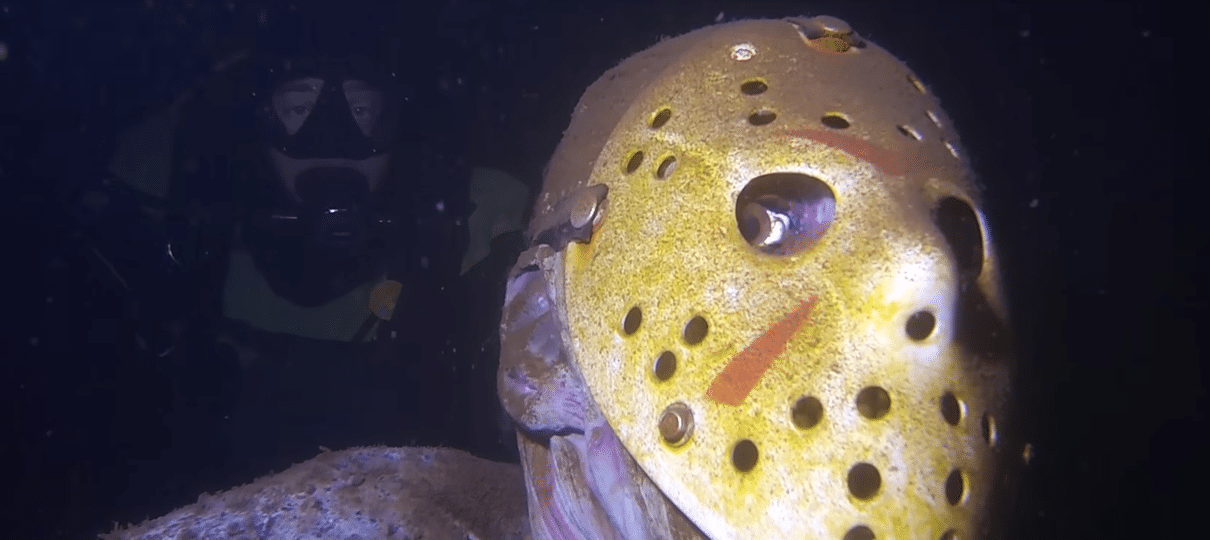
(760, 301)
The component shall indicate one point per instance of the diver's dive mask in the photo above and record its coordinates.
(326, 108)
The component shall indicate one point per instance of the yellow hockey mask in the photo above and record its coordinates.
(759, 262)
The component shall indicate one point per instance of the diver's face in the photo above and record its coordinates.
(295, 100)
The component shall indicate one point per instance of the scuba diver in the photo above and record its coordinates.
(759, 300)
(294, 248)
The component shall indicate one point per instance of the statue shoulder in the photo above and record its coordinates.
(370, 492)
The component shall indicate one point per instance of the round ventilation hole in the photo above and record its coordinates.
(753, 87)
(661, 118)
(695, 330)
(953, 149)
(635, 161)
(665, 366)
(632, 320)
(860, 532)
(988, 428)
(873, 402)
(951, 409)
(955, 487)
(920, 325)
(807, 412)
(949, 535)
(909, 131)
(744, 455)
(762, 117)
(864, 481)
(835, 121)
(666, 167)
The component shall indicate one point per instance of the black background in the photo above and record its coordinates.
(1069, 112)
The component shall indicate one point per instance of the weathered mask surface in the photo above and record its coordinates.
(761, 302)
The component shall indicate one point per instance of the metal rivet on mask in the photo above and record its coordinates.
(575, 218)
(832, 25)
(676, 424)
(584, 209)
(743, 52)
(827, 33)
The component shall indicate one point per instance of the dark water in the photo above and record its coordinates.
(1068, 113)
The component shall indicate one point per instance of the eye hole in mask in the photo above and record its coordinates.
(784, 213)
